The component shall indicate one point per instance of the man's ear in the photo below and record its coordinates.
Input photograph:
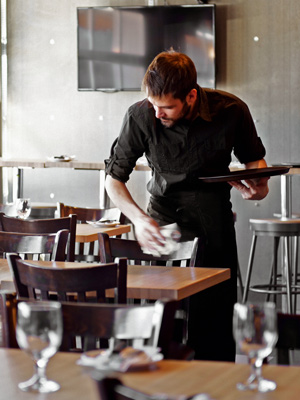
(191, 97)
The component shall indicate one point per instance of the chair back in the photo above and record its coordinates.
(124, 325)
(121, 324)
(53, 225)
(49, 246)
(188, 254)
(288, 336)
(88, 252)
(85, 214)
(75, 282)
(111, 388)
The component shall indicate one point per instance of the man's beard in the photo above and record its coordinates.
(169, 122)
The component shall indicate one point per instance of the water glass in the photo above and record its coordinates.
(23, 207)
(39, 334)
(255, 331)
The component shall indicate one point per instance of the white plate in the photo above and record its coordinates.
(61, 158)
(103, 360)
(98, 224)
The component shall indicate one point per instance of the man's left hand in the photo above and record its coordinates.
(252, 189)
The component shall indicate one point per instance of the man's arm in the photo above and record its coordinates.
(146, 229)
(253, 189)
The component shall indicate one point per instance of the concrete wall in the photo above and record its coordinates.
(48, 116)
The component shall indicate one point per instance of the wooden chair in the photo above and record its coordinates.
(111, 388)
(49, 246)
(87, 251)
(32, 281)
(188, 254)
(85, 214)
(123, 325)
(53, 225)
(288, 336)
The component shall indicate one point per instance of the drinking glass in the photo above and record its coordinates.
(39, 333)
(23, 207)
(255, 331)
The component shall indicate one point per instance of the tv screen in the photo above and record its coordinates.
(116, 44)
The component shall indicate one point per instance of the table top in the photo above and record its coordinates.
(149, 282)
(218, 379)
(44, 163)
(153, 282)
(86, 233)
(89, 165)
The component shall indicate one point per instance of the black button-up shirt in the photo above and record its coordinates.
(189, 149)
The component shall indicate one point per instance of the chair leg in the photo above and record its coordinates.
(249, 269)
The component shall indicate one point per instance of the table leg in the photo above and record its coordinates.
(286, 196)
(104, 201)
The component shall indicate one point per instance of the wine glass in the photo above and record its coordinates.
(23, 207)
(39, 333)
(255, 331)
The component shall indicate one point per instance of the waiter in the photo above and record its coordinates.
(187, 132)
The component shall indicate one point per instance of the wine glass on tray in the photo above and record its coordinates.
(23, 207)
(39, 333)
(255, 332)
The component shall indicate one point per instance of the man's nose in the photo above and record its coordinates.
(159, 113)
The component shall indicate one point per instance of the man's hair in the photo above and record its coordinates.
(170, 73)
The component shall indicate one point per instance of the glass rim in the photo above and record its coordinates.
(40, 305)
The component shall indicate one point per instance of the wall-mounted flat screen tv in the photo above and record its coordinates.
(116, 44)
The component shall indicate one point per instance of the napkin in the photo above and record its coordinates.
(172, 235)
(127, 359)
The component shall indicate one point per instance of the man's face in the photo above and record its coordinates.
(169, 110)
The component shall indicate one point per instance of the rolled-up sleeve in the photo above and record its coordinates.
(126, 149)
(248, 145)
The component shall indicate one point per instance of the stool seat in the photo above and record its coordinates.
(275, 226)
(284, 228)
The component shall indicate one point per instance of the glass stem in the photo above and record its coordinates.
(40, 369)
(256, 368)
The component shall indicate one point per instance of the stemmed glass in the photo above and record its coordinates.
(39, 333)
(23, 207)
(255, 331)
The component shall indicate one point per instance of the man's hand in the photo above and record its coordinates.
(147, 232)
(252, 189)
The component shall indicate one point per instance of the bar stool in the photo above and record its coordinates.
(278, 229)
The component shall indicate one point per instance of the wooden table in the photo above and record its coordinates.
(218, 379)
(86, 233)
(149, 282)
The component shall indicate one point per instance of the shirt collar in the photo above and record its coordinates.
(203, 110)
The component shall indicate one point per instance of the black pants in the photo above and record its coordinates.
(206, 215)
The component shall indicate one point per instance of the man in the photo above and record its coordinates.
(187, 132)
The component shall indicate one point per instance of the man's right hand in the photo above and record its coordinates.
(147, 232)
(146, 229)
